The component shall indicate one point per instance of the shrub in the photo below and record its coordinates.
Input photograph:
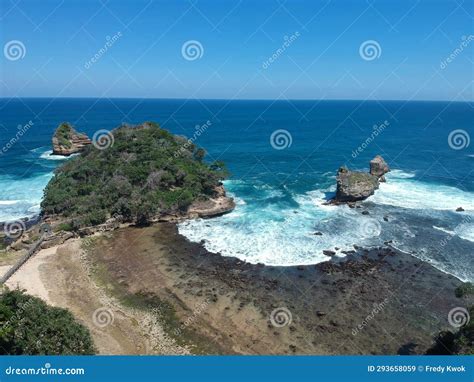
(29, 326)
(464, 289)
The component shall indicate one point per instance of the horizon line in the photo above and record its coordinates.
(241, 99)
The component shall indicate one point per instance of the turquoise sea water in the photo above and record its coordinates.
(281, 183)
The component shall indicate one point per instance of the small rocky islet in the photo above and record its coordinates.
(354, 186)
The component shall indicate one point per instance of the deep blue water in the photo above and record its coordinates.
(280, 192)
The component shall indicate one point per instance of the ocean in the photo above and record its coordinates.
(283, 157)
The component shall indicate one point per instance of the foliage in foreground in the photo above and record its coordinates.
(464, 289)
(29, 326)
(146, 172)
(461, 342)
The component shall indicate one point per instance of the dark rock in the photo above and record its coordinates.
(385, 218)
(318, 233)
(328, 252)
(459, 209)
(320, 313)
(365, 212)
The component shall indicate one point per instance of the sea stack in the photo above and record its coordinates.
(67, 141)
(353, 186)
(378, 168)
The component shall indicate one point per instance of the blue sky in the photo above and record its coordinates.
(321, 60)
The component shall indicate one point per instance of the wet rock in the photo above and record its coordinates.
(328, 252)
(318, 233)
(365, 213)
(459, 209)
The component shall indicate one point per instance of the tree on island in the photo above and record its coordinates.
(144, 172)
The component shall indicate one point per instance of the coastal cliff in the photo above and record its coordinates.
(67, 141)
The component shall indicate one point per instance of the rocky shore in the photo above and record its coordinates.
(377, 301)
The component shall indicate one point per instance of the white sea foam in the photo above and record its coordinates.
(466, 231)
(401, 190)
(449, 232)
(263, 228)
(48, 155)
(21, 198)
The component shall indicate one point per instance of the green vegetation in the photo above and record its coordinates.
(461, 342)
(29, 326)
(63, 134)
(146, 172)
(464, 289)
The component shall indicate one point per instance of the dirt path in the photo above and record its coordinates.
(61, 277)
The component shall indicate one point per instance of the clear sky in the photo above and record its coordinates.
(48, 46)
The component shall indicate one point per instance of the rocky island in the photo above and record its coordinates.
(67, 141)
(147, 175)
(353, 186)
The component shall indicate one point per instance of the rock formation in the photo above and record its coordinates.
(378, 168)
(67, 141)
(353, 186)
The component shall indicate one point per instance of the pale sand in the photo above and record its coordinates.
(28, 276)
(61, 277)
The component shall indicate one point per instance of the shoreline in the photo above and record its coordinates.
(326, 302)
(215, 207)
(372, 302)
